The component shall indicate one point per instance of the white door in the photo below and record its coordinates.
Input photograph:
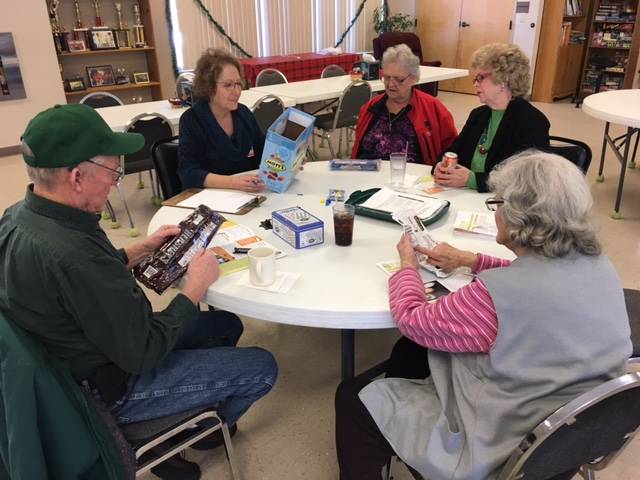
(527, 19)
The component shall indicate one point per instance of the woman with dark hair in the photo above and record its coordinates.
(219, 137)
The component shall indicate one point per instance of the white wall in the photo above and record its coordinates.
(29, 23)
(406, 7)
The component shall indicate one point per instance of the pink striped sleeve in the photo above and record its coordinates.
(463, 321)
(486, 262)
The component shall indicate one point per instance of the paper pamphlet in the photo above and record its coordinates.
(390, 201)
(231, 236)
(479, 223)
(435, 287)
(428, 185)
(229, 201)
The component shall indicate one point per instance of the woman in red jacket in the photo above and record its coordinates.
(403, 118)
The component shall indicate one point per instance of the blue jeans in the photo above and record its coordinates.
(204, 369)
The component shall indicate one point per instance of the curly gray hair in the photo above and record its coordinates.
(508, 66)
(547, 204)
(402, 55)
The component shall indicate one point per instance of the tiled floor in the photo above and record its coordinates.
(289, 434)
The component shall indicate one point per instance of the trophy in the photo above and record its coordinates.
(58, 34)
(80, 32)
(98, 19)
(121, 76)
(138, 28)
(123, 34)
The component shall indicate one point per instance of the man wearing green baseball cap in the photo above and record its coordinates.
(66, 284)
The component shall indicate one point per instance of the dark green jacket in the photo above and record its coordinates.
(64, 282)
(47, 430)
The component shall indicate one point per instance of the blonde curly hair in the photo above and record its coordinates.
(208, 69)
(508, 65)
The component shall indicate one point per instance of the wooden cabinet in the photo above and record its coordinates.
(137, 63)
(612, 51)
(451, 30)
(561, 48)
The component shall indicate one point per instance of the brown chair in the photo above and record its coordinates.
(391, 39)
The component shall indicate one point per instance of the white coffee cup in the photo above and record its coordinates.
(262, 266)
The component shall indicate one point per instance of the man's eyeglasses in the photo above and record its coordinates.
(231, 85)
(479, 78)
(396, 80)
(493, 203)
(118, 173)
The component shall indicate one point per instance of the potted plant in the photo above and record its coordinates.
(397, 22)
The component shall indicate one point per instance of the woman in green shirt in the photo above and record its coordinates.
(504, 125)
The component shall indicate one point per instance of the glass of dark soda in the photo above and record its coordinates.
(343, 215)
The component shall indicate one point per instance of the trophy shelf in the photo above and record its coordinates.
(104, 34)
(111, 88)
(103, 52)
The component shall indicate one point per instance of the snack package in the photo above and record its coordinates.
(413, 227)
(169, 263)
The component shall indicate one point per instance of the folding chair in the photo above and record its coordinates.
(575, 151)
(270, 76)
(266, 110)
(353, 97)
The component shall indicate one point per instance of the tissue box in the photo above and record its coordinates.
(298, 227)
(284, 148)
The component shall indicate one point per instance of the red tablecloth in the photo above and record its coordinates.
(296, 67)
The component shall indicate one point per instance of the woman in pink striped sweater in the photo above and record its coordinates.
(556, 285)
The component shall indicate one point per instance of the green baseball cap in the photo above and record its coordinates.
(66, 135)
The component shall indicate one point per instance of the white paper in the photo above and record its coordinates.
(229, 201)
(389, 201)
(283, 283)
(230, 236)
(459, 279)
(481, 223)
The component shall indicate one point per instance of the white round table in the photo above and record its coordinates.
(339, 287)
(621, 107)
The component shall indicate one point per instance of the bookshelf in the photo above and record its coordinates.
(73, 23)
(612, 52)
(563, 35)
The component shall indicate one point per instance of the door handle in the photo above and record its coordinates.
(464, 24)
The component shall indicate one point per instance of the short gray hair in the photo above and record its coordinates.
(402, 55)
(547, 204)
(40, 176)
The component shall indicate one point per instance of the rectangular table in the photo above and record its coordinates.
(328, 88)
(297, 67)
(118, 117)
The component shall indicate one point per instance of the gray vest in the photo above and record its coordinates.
(562, 329)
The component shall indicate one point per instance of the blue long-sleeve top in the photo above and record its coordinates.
(206, 148)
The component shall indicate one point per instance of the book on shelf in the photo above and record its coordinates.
(573, 8)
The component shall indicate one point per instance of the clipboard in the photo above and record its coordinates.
(189, 192)
(360, 196)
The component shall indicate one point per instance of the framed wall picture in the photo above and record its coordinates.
(76, 45)
(103, 39)
(74, 84)
(141, 77)
(11, 86)
(101, 76)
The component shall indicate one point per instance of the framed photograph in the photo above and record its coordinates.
(102, 39)
(141, 77)
(76, 45)
(101, 76)
(74, 84)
